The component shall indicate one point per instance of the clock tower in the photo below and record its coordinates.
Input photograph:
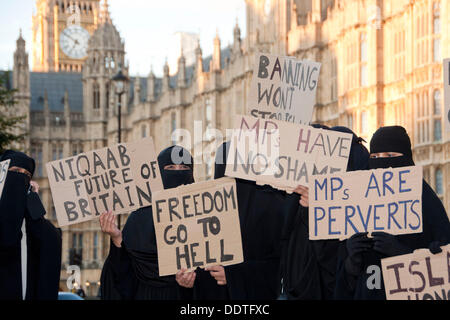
(61, 30)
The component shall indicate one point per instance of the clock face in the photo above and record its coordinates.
(73, 41)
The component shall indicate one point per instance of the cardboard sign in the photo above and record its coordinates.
(446, 119)
(420, 275)
(120, 178)
(283, 88)
(4, 166)
(284, 155)
(388, 200)
(197, 225)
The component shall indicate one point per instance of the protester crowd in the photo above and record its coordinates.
(280, 262)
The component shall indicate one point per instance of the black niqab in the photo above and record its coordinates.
(261, 222)
(436, 226)
(309, 267)
(131, 272)
(43, 239)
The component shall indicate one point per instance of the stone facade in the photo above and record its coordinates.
(381, 65)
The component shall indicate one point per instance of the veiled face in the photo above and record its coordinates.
(20, 170)
(385, 155)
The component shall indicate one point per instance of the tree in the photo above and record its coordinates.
(9, 123)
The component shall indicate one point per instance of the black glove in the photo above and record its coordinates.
(435, 247)
(356, 246)
(388, 244)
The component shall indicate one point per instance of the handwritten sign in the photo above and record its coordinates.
(284, 155)
(420, 275)
(120, 178)
(4, 166)
(283, 88)
(388, 200)
(197, 225)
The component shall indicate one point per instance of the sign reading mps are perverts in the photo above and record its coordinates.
(420, 275)
(387, 200)
(283, 88)
(120, 178)
(197, 225)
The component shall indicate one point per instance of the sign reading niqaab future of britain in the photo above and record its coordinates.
(4, 165)
(387, 200)
(284, 155)
(197, 225)
(447, 95)
(120, 178)
(283, 88)
(420, 275)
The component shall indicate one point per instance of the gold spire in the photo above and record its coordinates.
(104, 13)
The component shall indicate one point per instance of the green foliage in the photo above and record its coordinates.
(8, 122)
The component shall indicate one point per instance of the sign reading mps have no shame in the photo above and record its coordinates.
(197, 225)
(387, 200)
(283, 88)
(284, 155)
(120, 178)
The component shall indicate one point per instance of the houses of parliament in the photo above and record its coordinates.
(381, 65)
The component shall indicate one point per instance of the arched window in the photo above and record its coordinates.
(96, 96)
(439, 182)
(364, 122)
(208, 113)
(143, 131)
(437, 102)
(108, 87)
(436, 32)
(437, 123)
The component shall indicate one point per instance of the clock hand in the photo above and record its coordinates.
(64, 33)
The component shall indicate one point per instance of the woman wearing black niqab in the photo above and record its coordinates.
(20, 206)
(261, 222)
(309, 266)
(389, 147)
(131, 270)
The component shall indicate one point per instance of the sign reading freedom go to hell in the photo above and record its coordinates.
(284, 155)
(420, 275)
(4, 165)
(387, 200)
(283, 88)
(120, 178)
(197, 225)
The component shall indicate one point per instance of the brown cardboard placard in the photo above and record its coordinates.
(446, 118)
(120, 178)
(283, 88)
(387, 200)
(197, 225)
(4, 166)
(284, 155)
(420, 275)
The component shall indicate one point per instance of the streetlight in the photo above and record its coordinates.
(120, 80)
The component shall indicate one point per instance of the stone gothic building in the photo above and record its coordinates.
(381, 65)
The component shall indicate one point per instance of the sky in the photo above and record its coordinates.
(147, 26)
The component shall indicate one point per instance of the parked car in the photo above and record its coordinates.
(68, 296)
